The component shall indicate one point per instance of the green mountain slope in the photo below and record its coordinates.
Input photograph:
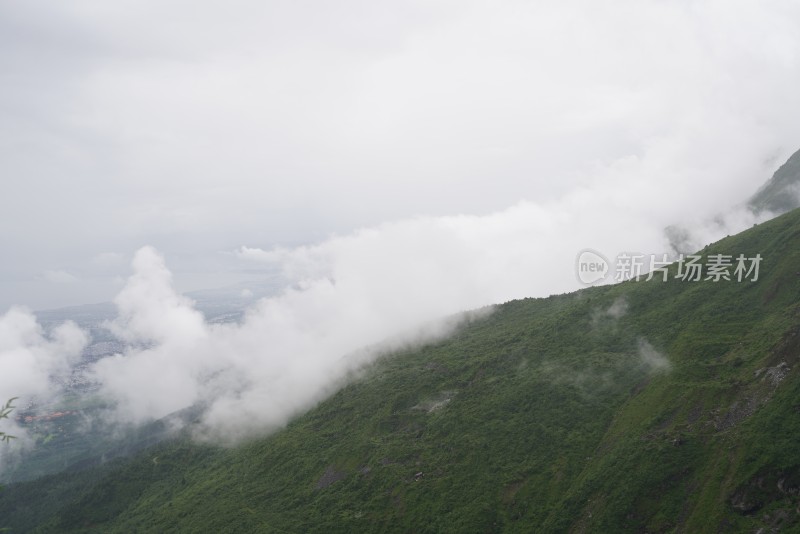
(641, 407)
(782, 192)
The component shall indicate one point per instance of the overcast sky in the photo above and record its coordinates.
(201, 127)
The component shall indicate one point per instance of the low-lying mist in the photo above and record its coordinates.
(351, 298)
(287, 353)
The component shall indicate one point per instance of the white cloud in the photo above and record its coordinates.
(653, 360)
(350, 292)
(289, 352)
(29, 360)
(29, 357)
(618, 308)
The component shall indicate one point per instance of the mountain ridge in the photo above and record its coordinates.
(781, 193)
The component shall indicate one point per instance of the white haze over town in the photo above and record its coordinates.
(400, 162)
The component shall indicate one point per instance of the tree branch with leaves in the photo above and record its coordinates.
(4, 412)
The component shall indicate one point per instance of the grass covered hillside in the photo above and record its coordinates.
(639, 407)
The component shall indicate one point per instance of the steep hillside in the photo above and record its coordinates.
(640, 407)
(782, 192)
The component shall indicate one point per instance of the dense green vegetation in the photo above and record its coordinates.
(80, 437)
(560, 414)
